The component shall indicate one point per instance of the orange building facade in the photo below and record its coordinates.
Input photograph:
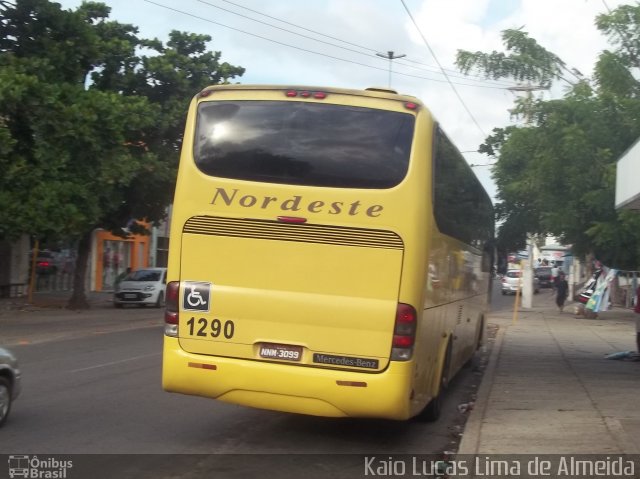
(112, 255)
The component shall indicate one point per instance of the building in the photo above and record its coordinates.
(628, 179)
(556, 255)
(628, 196)
(14, 267)
(112, 255)
(109, 256)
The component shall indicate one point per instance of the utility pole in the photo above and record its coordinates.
(528, 89)
(528, 288)
(390, 56)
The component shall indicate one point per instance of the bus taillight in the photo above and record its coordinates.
(404, 332)
(171, 309)
(318, 95)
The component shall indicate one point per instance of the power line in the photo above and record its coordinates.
(311, 51)
(284, 29)
(259, 36)
(433, 54)
(315, 32)
(298, 26)
(455, 74)
(473, 165)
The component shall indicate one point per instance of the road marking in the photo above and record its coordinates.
(112, 363)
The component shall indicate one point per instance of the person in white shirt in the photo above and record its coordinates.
(554, 273)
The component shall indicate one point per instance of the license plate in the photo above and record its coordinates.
(285, 352)
(130, 296)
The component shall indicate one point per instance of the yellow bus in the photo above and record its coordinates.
(330, 254)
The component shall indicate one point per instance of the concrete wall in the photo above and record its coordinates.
(628, 179)
(14, 267)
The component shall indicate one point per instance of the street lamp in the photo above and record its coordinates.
(390, 56)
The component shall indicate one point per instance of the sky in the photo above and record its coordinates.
(335, 43)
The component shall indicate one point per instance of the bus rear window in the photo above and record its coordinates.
(303, 143)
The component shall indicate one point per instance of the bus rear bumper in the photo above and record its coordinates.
(289, 388)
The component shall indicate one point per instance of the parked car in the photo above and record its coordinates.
(46, 263)
(9, 383)
(512, 281)
(143, 287)
(543, 273)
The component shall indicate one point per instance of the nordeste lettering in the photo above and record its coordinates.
(294, 203)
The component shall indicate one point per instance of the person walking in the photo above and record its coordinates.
(562, 289)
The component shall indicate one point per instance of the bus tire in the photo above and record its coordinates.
(433, 410)
(473, 359)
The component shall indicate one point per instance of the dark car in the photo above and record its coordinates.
(46, 263)
(543, 274)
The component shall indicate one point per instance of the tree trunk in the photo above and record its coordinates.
(78, 299)
(590, 268)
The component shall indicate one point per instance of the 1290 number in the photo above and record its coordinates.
(203, 328)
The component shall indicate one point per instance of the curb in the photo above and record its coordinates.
(625, 442)
(471, 436)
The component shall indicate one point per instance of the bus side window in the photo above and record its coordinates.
(462, 209)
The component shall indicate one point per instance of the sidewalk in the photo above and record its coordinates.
(47, 319)
(548, 389)
(52, 300)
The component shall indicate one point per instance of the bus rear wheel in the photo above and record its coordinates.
(433, 410)
(472, 362)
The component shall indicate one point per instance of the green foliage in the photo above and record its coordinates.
(91, 117)
(556, 173)
(526, 61)
(69, 164)
(621, 28)
(614, 77)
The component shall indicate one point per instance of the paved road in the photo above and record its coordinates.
(102, 394)
(95, 389)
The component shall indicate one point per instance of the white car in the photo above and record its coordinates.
(512, 281)
(143, 287)
(9, 383)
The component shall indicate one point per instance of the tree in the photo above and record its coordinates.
(92, 118)
(527, 61)
(556, 173)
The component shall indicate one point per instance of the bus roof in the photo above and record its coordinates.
(373, 92)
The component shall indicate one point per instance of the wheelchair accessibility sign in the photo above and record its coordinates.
(196, 296)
